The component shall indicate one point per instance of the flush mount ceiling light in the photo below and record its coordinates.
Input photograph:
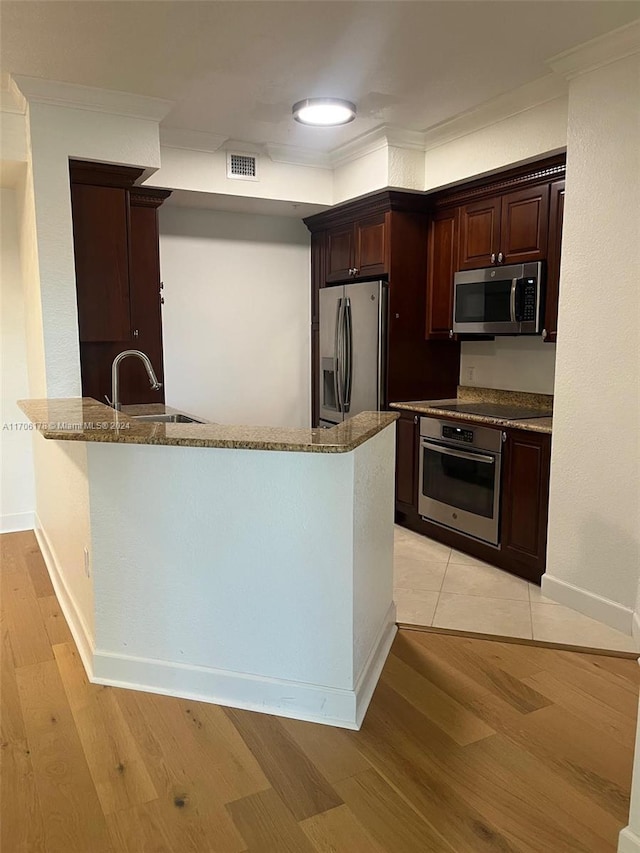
(324, 112)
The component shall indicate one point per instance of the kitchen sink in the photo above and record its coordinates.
(166, 419)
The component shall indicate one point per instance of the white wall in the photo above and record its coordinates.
(511, 364)
(236, 318)
(46, 247)
(525, 136)
(594, 514)
(17, 496)
(234, 576)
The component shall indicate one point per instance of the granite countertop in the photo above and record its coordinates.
(85, 419)
(467, 394)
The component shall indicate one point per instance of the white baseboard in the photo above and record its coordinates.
(298, 700)
(72, 614)
(628, 841)
(596, 606)
(368, 678)
(17, 521)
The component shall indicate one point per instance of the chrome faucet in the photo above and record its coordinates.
(153, 379)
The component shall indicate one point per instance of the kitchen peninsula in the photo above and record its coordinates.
(260, 580)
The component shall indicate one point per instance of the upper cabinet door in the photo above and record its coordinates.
(340, 253)
(442, 262)
(479, 233)
(525, 225)
(556, 216)
(371, 256)
(100, 239)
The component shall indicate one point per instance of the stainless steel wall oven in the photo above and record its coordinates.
(460, 477)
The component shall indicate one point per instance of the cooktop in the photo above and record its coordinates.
(495, 410)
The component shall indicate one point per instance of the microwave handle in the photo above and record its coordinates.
(512, 301)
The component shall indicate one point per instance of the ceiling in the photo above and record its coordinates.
(235, 68)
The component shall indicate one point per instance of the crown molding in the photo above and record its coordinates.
(11, 99)
(191, 140)
(40, 91)
(297, 156)
(540, 91)
(618, 44)
(362, 145)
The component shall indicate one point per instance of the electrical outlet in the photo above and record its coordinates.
(87, 569)
(470, 374)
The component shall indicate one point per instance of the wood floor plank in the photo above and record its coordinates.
(584, 756)
(299, 783)
(29, 640)
(333, 751)
(458, 722)
(72, 817)
(137, 830)
(38, 573)
(267, 825)
(339, 831)
(389, 818)
(54, 622)
(487, 674)
(586, 706)
(116, 766)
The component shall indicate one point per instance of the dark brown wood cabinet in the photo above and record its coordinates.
(115, 230)
(524, 225)
(507, 229)
(442, 262)
(556, 216)
(525, 500)
(407, 439)
(479, 233)
(357, 250)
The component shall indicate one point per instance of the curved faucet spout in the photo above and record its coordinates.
(115, 391)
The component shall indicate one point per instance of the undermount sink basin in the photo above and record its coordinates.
(167, 419)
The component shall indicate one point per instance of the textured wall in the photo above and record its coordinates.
(17, 497)
(236, 318)
(594, 529)
(514, 364)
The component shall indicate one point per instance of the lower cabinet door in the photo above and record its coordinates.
(525, 498)
(407, 435)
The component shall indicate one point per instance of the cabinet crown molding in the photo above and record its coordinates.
(103, 174)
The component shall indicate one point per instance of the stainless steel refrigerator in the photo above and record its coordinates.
(353, 357)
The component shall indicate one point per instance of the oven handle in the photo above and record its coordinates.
(447, 451)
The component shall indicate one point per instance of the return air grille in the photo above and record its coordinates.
(242, 167)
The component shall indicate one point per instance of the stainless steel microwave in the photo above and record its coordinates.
(505, 300)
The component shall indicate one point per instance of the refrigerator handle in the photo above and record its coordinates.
(348, 354)
(337, 354)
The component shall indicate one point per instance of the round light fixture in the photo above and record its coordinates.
(324, 112)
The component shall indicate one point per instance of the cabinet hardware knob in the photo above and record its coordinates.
(500, 257)
(544, 334)
(162, 285)
(493, 257)
(135, 333)
(504, 437)
(356, 271)
(162, 300)
(450, 333)
(415, 419)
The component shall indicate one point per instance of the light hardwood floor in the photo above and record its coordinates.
(469, 746)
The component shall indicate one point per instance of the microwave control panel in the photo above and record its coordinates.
(529, 307)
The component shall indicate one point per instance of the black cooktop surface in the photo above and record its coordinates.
(495, 410)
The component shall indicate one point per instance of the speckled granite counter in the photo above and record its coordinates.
(468, 394)
(85, 419)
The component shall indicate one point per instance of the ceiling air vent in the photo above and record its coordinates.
(242, 167)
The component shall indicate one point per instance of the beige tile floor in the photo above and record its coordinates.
(444, 588)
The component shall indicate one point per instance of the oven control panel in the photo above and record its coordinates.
(457, 434)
